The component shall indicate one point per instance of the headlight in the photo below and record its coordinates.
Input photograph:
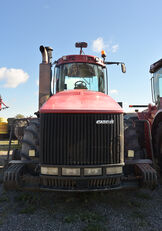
(114, 170)
(49, 170)
(130, 153)
(31, 152)
(92, 171)
(71, 171)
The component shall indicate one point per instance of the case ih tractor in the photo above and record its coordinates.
(153, 113)
(77, 141)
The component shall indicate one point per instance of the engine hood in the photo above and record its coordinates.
(80, 101)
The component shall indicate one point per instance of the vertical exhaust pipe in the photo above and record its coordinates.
(45, 75)
(44, 54)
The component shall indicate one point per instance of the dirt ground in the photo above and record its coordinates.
(138, 209)
(129, 210)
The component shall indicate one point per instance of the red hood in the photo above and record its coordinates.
(80, 101)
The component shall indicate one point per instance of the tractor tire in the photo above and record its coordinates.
(30, 140)
(131, 139)
(158, 145)
(16, 154)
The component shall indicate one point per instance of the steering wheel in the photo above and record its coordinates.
(80, 85)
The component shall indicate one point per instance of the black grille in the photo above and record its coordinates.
(76, 184)
(76, 139)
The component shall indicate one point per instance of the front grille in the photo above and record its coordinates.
(76, 139)
(74, 184)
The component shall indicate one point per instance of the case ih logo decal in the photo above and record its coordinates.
(105, 122)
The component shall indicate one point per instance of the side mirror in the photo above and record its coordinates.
(123, 67)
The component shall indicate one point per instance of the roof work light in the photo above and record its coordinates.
(81, 45)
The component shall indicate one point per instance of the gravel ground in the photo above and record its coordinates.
(138, 209)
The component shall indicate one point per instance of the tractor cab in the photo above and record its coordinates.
(156, 69)
(80, 72)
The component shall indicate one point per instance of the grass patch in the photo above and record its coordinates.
(84, 216)
(40, 200)
(1, 221)
(71, 218)
(143, 224)
(115, 199)
(28, 209)
(94, 227)
(138, 215)
(30, 198)
(90, 217)
(4, 198)
(143, 195)
(134, 204)
(3, 215)
(28, 201)
(92, 221)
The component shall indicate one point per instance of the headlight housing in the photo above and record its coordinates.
(49, 171)
(114, 170)
(92, 171)
(70, 171)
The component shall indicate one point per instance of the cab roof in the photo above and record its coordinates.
(80, 59)
(156, 66)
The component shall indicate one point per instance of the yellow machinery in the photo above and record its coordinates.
(3, 126)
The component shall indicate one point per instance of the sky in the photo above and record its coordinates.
(128, 30)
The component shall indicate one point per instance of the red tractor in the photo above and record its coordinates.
(77, 141)
(153, 113)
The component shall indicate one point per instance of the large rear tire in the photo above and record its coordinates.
(132, 138)
(30, 140)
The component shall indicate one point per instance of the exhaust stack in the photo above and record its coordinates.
(44, 54)
(45, 75)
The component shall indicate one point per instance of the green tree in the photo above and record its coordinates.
(19, 116)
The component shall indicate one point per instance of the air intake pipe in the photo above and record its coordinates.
(45, 75)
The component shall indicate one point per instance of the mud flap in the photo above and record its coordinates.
(12, 176)
(147, 173)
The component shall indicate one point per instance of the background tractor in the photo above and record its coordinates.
(153, 113)
(76, 143)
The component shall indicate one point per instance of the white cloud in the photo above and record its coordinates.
(13, 77)
(2, 72)
(115, 48)
(99, 44)
(114, 91)
(37, 82)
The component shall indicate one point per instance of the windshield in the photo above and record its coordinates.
(80, 76)
(158, 84)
